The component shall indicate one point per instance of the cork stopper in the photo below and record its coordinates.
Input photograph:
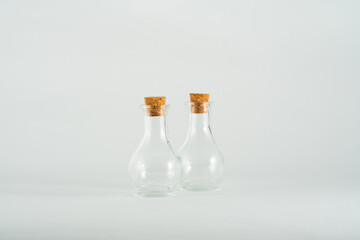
(199, 102)
(155, 106)
(199, 97)
(155, 100)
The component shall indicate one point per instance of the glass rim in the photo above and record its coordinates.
(188, 103)
(144, 106)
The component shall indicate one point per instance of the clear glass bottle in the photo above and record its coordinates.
(155, 168)
(203, 163)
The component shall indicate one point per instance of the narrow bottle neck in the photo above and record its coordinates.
(199, 124)
(155, 128)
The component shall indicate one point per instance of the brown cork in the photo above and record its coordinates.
(199, 97)
(155, 106)
(199, 102)
(155, 100)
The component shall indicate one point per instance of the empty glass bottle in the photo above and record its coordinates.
(203, 163)
(155, 169)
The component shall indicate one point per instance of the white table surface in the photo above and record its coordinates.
(232, 212)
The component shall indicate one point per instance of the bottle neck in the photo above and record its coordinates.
(199, 124)
(155, 128)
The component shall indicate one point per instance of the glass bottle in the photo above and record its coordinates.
(155, 169)
(203, 163)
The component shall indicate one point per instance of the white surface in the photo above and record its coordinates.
(241, 212)
(284, 76)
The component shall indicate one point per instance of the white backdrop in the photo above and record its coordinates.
(284, 76)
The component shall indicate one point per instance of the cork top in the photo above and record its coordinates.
(155, 106)
(199, 97)
(199, 102)
(155, 101)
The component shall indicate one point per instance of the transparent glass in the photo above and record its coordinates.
(155, 168)
(203, 163)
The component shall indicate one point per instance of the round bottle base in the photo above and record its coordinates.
(154, 191)
(199, 185)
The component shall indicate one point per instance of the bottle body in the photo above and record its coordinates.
(155, 168)
(203, 162)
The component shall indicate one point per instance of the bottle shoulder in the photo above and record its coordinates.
(201, 143)
(155, 152)
(201, 149)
